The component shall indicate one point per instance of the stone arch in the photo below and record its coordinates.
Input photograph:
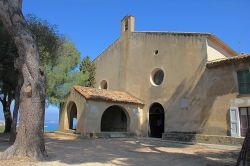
(72, 115)
(115, 119)
(156, 120)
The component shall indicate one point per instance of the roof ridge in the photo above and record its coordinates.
(175, 32)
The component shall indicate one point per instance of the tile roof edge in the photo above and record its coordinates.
(219, 62)
(102, 99)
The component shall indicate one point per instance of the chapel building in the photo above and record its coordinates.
(153, 84)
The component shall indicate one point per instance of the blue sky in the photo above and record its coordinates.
(94, 24)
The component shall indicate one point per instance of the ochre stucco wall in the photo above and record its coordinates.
(80, 101)
(183, 58)
(180, 57)
(215, 52)
(95, 110)
(222, 93)
(110, 62)
(89, 114)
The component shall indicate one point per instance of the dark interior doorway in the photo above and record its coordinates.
(72, 114)
(114, 119)
(156, 120)
(244, 120)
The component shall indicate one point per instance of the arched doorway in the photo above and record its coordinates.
(156, 120)
(72, 115)
(114, 119)
(103, 84)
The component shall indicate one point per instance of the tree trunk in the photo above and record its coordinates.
(29, 140)
(6, 102)
(7, 116)
(16, 108)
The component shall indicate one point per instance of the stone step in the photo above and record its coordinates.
(118, 135)
(110, 135)
(200, 138)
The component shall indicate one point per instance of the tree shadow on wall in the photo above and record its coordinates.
(201, 90)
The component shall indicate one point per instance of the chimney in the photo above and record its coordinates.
(128, 24)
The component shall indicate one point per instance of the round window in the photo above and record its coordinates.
(103, 84)
(157, 77)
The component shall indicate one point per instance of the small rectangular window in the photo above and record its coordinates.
(244, 81)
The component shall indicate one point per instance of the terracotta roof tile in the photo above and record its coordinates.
(106, 95)
(243, 57)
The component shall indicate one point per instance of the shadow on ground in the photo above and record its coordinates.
(131, 151)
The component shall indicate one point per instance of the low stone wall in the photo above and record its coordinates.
(108, 135)
(97, 135)
(200, 138)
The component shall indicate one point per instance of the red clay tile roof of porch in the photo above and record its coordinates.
(243, 57)
(106, 95)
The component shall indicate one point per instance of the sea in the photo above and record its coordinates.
(51, 126)
(51, 118)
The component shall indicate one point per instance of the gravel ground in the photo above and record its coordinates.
(67, 150)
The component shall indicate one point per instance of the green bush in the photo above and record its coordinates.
(1, 129)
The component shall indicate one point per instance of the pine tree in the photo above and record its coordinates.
(88, 67)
